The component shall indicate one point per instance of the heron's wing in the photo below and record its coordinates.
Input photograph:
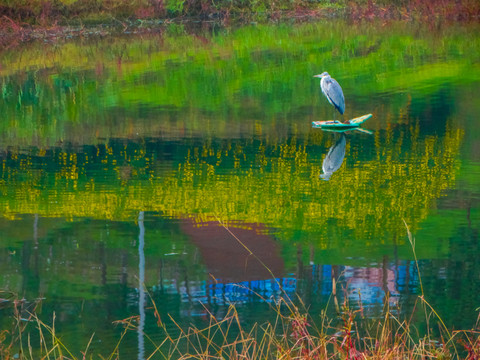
(333, 91)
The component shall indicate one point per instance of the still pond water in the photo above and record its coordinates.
(142, 159)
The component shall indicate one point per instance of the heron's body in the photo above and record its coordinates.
(333, 91)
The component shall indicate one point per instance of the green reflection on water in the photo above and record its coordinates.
(85, 90)
(254, 181)
(216, 126)
(236, 112)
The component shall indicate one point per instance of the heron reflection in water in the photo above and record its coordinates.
(334, 158)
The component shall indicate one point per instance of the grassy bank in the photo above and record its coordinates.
(26, 20)
(51, 20)
(16, 14)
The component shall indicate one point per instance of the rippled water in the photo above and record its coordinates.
(158, 160)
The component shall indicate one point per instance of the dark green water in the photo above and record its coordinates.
(124, 160)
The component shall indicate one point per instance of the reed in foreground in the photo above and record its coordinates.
(295, 335)
(292, 334)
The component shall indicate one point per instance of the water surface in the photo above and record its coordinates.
(157, 159)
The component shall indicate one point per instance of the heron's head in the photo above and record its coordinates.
(322, 75)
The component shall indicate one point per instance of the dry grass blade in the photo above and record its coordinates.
(88, 346)
(292, 335)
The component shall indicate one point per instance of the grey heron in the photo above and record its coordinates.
(332, 90)
(334, 158)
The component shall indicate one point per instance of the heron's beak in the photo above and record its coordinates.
(319, 76)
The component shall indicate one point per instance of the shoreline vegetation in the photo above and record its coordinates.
(26, 20)
(293, 334)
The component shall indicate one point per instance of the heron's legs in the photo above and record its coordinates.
(335, 114)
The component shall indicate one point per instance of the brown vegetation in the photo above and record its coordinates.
(462, 10)
(292, 335)
(28, 19)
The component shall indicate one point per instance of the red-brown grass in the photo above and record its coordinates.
(15, 16)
